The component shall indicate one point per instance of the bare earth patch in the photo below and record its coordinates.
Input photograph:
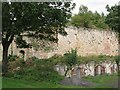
(75, 81)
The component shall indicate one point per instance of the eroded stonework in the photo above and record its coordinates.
(88, 69)
(87, 42)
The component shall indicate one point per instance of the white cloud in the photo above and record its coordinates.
(94, 5)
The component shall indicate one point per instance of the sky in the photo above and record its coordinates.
(94, 5)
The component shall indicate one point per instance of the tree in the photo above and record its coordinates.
(70, 59)
(87, 19)
(117, 60)
(113, 20)
(83, 9)
(41, 20)
(113, 17)
(82, 19)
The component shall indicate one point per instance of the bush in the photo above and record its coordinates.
(39, 70)
(70, 58)
(56, 59)
(12, 57)
(14, 66)
(117, 59)
(95, 58)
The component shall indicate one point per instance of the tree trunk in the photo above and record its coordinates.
(6, 43)
(5, 60)
(118, 70)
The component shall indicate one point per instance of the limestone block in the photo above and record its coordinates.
(108, 68)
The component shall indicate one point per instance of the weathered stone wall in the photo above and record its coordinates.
(87, 42)
(88, 69)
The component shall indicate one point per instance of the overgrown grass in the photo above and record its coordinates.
(34, 69)
(39, 73)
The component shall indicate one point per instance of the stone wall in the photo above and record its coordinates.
(87, 42)
(88, 69)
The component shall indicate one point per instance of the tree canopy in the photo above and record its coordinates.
(88, 19)
(41, 20)
(113, 17)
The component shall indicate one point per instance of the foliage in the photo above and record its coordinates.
(47, 17)
(113, 17)
(12, 57)
(70, 58)
(83, 9)
(113, 20)
(42, 70)
(117, 59)
(37, 70)
(88, 19)
(14, 66)
(57, 59)
(96, 59)
(42, 20)
(99, 82)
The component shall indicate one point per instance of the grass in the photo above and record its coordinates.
(103, 81)
(16, 83)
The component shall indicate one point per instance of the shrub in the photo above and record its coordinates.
(12, 57)
(56, 59)
(14, 66)
(70, 58)
(39, 70)
(95, 58)
(117, 59)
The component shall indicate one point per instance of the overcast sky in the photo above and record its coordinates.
(94, 5)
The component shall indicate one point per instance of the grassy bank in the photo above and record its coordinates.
(16, 83)
(40, 73)
(104, 81)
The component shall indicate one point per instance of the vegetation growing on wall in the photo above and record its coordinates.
(87, 19)
(83, 59)
(96, 59)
